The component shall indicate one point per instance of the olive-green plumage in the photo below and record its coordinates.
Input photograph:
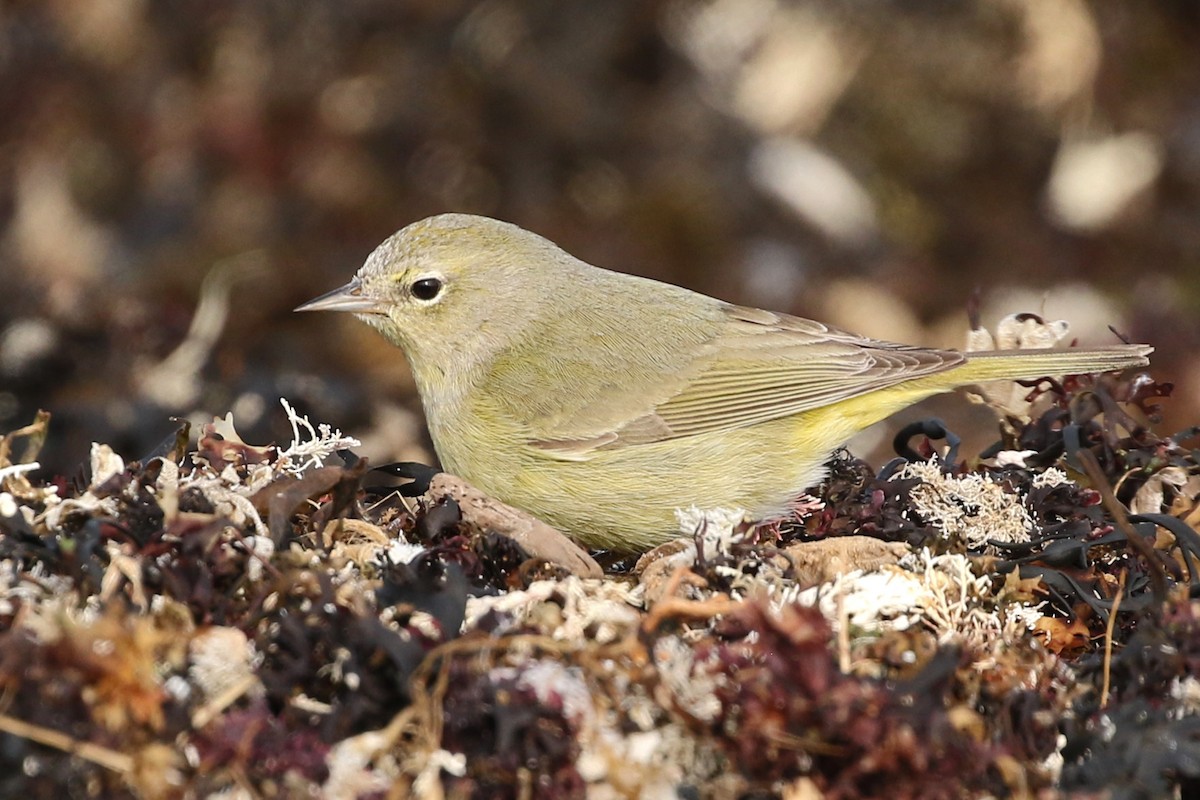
(601, 402)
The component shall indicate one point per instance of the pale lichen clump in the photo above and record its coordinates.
(692, 686)
(230, 490)
(602, 612)
(310, 446)
(972, 507)
(714, 528)
(722, 541)
(222, 659)
(938, 593)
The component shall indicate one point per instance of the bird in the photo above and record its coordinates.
(601, 402)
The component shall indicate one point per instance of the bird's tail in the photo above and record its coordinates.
(989, 365)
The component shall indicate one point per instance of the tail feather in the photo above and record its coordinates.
(987, 365)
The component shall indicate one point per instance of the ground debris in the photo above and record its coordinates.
(234, 617)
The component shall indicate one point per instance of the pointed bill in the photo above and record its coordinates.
(347, 298)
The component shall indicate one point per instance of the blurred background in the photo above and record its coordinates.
(177, 175)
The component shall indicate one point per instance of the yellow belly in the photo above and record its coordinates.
(625, 498)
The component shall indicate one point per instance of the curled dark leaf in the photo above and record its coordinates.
(931, 428)
(418, 474)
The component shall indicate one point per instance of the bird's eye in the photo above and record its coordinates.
(426, 288)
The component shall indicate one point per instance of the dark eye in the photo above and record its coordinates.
(426, 288)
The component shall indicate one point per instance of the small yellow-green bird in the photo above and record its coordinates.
(601, 402)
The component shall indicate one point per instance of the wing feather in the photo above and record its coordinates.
(762, 366)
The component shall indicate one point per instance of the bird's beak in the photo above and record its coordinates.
(348, 298)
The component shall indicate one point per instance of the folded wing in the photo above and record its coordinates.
(762, 366)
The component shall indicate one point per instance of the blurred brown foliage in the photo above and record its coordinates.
(870, 162)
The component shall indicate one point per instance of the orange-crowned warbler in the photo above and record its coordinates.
(601, 402)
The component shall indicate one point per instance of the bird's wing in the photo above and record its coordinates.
(760, 366)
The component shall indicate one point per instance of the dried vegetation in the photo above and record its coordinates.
(272, 622)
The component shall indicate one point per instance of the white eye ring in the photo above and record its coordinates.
(426, 289)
